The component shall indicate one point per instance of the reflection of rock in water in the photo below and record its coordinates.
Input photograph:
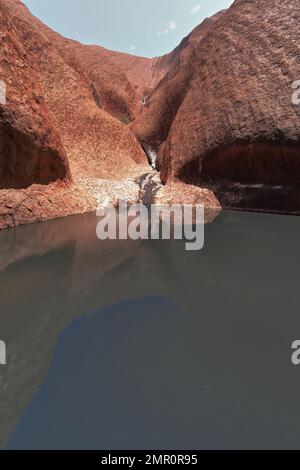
(241, 278)
(52, 273)
(32, 316)
(150, 374)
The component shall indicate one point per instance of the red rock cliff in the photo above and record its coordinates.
(224, 112)
(217, 110)
(30, 149)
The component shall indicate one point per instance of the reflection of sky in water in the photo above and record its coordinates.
(129, 375)
(200, 358)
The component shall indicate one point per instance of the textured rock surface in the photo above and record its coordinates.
(176, 70)
(39, 203)
(30, 149)
(233, 118)
(97, 144)
(52, 127)
(217, 112)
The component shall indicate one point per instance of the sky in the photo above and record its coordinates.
(142, 27)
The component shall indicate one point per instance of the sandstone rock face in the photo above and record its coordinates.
(213, 115)
(233, 119)
(175, 71)
(97, 144)
(30, 149)
(53, 128)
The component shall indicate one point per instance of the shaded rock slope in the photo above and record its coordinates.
(227, 99)
(216, 114)
(97, 145)
(31, 150)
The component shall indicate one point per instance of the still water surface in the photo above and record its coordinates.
(123, 344)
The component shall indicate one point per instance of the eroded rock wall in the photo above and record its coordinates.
(31, 150)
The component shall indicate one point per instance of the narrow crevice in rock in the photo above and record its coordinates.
(151, 155)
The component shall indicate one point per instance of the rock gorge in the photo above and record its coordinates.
(217, 112)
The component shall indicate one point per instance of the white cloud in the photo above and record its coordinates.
(170, 26)
(132, 48)
(195, 9)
